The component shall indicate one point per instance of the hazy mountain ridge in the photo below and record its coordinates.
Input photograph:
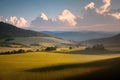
(80, 35)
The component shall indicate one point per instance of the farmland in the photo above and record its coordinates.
(49, 65)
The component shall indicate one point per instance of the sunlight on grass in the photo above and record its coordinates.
(14, 65)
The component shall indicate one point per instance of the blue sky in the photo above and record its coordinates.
(30, 10)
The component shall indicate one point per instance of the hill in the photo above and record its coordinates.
(8, 30)
(13, 37)
(79, 35)
(110, 42)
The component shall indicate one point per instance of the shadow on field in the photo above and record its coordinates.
(92, 52)
(112, 72)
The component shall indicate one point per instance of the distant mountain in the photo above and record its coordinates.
(8, 30)
(113, 41)
(79, 35)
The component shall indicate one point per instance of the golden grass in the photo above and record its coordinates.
(12, 66)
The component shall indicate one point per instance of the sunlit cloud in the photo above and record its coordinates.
(90, 5)
(19, 22)
(104, 8)
(115, 15)
(67, 17)
(43, 16)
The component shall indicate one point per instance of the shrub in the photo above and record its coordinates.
(96, 47)
(70, 47)
(37, 50)
(21, 51)
(50, 48)
(14, 52)
(9, 39)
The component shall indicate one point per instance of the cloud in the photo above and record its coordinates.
(94, 19)
(90, 5)
(19, 22)
(43, 16)
(1, 18)
(67, 17)
(99, 18)
(61, 22)
(115, 15)
(104, 8)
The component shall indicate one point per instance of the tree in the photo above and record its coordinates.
(50, 48)
(98, 47)
(70, 47)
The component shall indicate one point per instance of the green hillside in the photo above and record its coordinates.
(110, 42)
(8, 30)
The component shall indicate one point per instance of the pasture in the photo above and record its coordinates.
(52, 66)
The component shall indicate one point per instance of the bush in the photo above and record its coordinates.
(96, 47)
(37, 50)
(70, 47)
(14, 52)
(9, 39)
(50, 48)
(21, 51)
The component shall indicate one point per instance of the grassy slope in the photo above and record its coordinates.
(112, 43)
(41, 41)
(8, 30)
(43, 65)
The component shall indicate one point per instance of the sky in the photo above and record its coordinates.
(62, 15)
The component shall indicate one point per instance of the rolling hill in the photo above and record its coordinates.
(8, 30)
(11, 36)
(110, 42)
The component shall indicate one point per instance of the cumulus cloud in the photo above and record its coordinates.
(19, 22)
(67, 17)
(43, 16)
(99, 18)
(61, 22)
(90, 5)
(104, 8)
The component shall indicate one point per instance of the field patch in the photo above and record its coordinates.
(48, 65)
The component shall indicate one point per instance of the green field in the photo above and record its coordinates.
(50, 66)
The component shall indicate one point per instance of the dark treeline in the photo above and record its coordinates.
(16, 51)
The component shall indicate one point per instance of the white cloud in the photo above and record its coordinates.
(90, 5)
(67, 17)
(19, 22)
(43, 16)
(104, 8)
(115, 15)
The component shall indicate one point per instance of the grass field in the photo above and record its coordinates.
(52, 66)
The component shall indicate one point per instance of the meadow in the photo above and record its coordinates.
(55, 66)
